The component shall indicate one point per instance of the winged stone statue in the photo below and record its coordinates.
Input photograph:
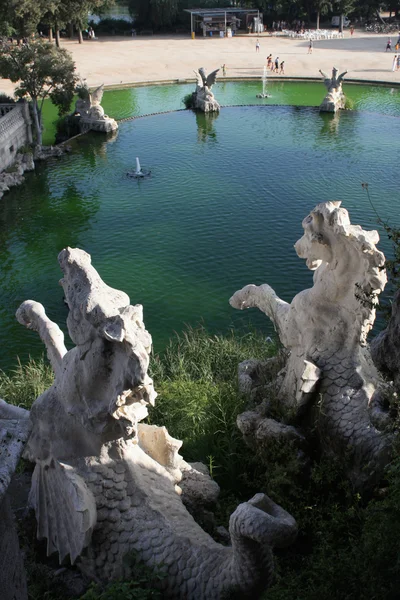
(96, 96)
(203, 97)
(92, 116)
(206, 81)
(335, 98)
(333, 83)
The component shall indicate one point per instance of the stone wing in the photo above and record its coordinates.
(203, 76)
(97, 96)
(65, 508)
(199, 79)
(211, 79)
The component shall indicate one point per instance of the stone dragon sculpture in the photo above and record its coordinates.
(335, 98)
(92, 116)
(324, 329)
(104, 484)
(203, 97)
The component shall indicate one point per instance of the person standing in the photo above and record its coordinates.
(257, 46)
(351, 30)
(394, 63)
(310, 47)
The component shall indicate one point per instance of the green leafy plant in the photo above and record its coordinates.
(25, 383)
(188, 101)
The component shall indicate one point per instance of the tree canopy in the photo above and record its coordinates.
(159, 14)
(22, 17)
(42, 70)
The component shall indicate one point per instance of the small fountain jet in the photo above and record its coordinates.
(139, 173)
(264, 82)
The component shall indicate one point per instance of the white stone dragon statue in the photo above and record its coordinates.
(203, 97)
(324, 329)
(335, 98)
(92, 116)
(104, 484)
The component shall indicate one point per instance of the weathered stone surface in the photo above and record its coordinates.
(15, 427)
(12, 572)
(22, 163)
(105, 481)
(385, 348)
(325, 330)
(199, 490)
(203, 97)
(335, 98)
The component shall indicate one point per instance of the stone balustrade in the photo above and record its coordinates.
(15, 131)
(6, 108)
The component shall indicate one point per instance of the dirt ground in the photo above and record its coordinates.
(124, 60)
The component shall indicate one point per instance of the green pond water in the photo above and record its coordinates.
(124, 103)
(222, 208)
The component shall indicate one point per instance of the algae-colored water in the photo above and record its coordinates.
(223, 207)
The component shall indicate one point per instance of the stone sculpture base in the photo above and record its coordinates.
(333, 102)
(106, 125)
(206, 106)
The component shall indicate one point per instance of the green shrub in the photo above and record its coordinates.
(188, 101)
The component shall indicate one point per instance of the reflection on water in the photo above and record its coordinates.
(330, 124)
(205, 126)
(213, 217)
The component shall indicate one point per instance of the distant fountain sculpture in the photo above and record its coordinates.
(329, 372)
(264, 85)
(335, 98)
(139, 173)
(92, 117)
(108, 483)
(203, 98)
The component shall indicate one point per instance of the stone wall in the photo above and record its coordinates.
(15, 131)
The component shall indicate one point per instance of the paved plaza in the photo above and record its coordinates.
(125, 60)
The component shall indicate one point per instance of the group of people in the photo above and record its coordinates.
(389, 44)
(296, 25)
(396, 62)
(275, 66)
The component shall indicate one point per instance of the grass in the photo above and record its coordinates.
(198, 401)
(25, 383)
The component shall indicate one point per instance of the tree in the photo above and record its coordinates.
(42, 71)
(322, 7)
(77, 12)
(344, 7)
(20, 17)
(154, 13)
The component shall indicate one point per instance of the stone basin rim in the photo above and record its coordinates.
(129, 84)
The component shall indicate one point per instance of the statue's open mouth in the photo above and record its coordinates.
(313, 263)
